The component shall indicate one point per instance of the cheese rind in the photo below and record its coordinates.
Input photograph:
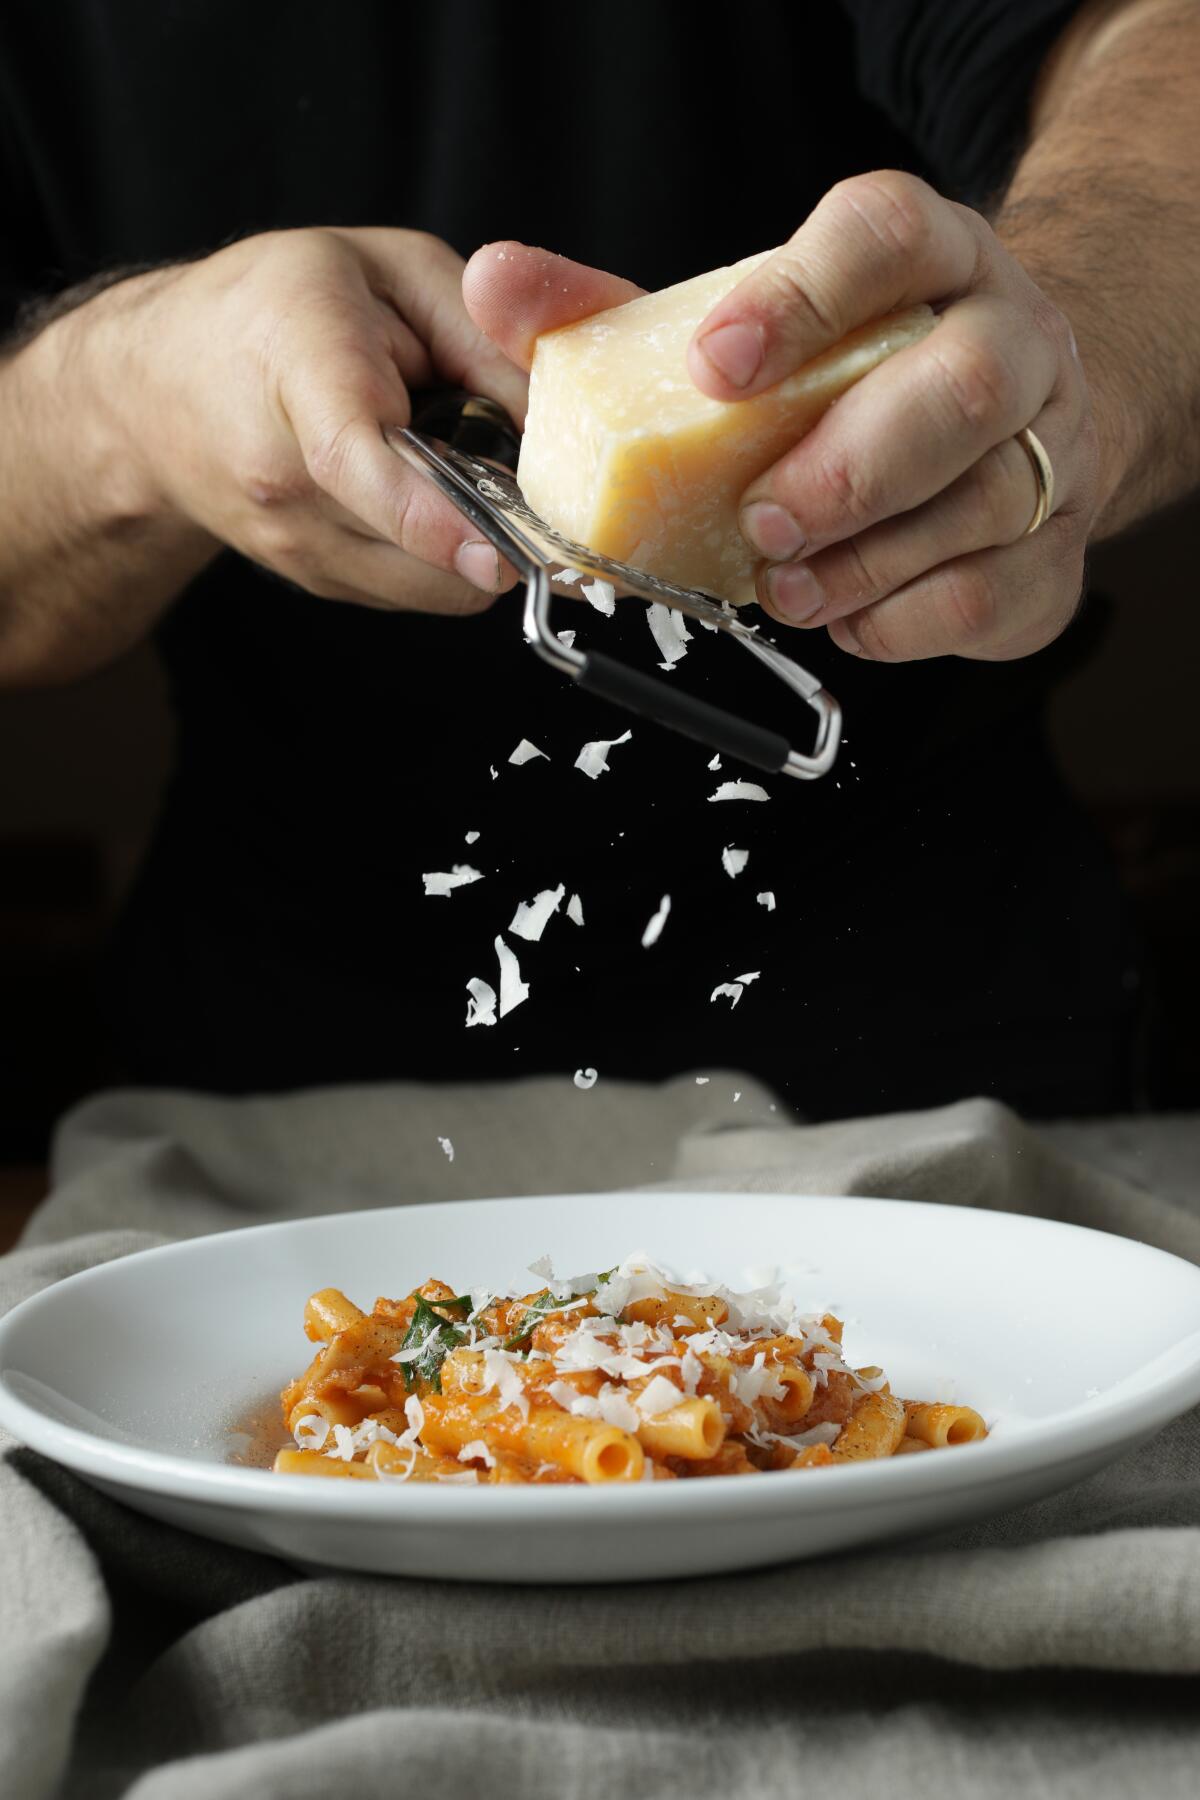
(623, 454)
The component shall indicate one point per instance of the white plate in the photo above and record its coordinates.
(1074, 1345)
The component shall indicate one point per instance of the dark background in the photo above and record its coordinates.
(81, 770)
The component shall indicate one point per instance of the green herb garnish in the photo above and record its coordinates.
(545, 1303)
(436, 1335)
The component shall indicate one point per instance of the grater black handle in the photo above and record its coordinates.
(654, 698)
(471, 423)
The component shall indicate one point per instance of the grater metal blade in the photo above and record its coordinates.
(488, 495)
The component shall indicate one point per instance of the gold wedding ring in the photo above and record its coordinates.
(1043, 470)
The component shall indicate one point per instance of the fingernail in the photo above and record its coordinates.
(795, 592)
(735, 351)
(478, 564)
(771, 530)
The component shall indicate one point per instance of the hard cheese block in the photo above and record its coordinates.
(623, 454)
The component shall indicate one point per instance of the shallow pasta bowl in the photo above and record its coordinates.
(138, 1375)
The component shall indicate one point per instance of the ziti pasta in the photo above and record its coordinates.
(622, 1376)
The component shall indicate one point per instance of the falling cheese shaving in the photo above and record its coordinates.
(669, 631)
(568, 576)
(734, 861)
(732, 990)
(446, 880)
(747, 979)
(716, 761)
(472, 837)
(593, 758)
(566, 639)
(512, 989)
(531, 917)
(740, 790)
(481, 1007)
(653, 930)
(525, 752)
(766, 899)
(575, 910)
(448, 1148)
(585, 1078)
(600, 594)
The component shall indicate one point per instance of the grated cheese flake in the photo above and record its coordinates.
(472, 837)
(716, 761)
(658, 1396)
(445, 880)
(728, 990)
(766, 899)
(740, 790)
(531, 918)
(585, 1078)
(512, 989)
(566, 639)
(600, 594)
(525, 752)
(734, 861)
(575, 910)
(593, 758)
(669, 631)
(653, 929)
(448, 1148)
(311, 1431)
(500, 1373)
(481, 1007)
(477, 1451)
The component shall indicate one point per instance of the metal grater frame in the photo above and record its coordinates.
(488, 495)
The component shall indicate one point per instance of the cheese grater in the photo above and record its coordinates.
(450, 436)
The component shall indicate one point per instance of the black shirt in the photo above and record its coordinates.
(941, 924)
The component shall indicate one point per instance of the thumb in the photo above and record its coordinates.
(515, 292)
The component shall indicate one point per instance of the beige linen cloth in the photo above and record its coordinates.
(1051, 1652)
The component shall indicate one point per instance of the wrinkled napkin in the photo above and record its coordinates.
(1051, 1651)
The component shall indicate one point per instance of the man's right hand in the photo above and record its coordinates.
(256, 385)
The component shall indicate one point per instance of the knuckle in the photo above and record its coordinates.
(327, 454)
(977, 380)
(895, 207)
(872, 636)
(280, 543)
(846, 574)
(790, 281)
(851, 488)
(271, 486)
(969, 603)
(1052, 324)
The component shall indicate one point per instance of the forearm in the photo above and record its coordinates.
(90, 551)
(1104, 212)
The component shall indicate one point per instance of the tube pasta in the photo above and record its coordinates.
(617, 1378)
(874, 1428)
(693, 1430)
(586, 1448)
(940, 1426)
(327, 1313)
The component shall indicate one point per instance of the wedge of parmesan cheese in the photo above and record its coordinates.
(623, 454)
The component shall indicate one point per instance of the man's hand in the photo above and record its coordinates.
(899, 521)
(259, 383)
